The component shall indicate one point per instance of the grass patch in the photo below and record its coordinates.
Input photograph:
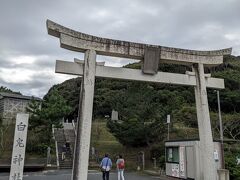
(105, 142)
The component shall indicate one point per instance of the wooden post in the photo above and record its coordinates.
(82, 143)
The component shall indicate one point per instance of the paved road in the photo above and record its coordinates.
(66, 175)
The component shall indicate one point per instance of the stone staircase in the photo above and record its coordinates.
(67, 162)
(61, 141)
(70, 138)
(67, 135)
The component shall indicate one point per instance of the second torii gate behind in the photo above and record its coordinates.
(92, 46)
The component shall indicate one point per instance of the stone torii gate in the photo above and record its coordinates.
(151, 55)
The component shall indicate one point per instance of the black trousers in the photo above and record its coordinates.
(105, 175)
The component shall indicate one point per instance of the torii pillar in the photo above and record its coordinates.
(84, 125)
(92, 45)
(204, 126)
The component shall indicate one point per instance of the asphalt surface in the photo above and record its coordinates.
(66, 175)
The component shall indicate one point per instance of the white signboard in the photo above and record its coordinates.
(215, 153)
(181, 161)
(168, 118)
(238, 161)
(114, 115)
(19, 146)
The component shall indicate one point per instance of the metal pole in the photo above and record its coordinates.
(221, 129)
(143, 160)
(168, 122)
(154, 163)
(168, 131)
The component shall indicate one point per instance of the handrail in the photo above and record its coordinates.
(74, 128)
(56, 145)
(57, 158)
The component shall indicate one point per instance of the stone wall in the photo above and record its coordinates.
(9, 107)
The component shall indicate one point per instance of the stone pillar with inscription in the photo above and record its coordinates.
(19, 147)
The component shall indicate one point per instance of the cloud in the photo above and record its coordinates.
(28, 53)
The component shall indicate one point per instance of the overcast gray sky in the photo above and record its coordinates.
(28, 53)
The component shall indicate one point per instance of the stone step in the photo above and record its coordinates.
(62, 136)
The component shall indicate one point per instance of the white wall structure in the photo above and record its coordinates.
(188, 158)
(19, 147)
(151, 55)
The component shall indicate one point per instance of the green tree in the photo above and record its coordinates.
(5, 89)
(232, 166)
(50, 112)
(143, 111)
(34, 108)
(231, 126)
(187, 115)
(149, 103)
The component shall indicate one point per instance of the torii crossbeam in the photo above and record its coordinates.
(92, 45)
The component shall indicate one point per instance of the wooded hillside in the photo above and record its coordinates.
(143, 107)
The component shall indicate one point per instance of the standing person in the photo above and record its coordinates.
(48, 156)
(106, 165)
(120, 167)
(64, 150)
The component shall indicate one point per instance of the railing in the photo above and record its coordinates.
(53, 132)
(74, 128)
(56, 145)
(57, 158)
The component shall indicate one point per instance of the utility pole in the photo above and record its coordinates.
(221, 129)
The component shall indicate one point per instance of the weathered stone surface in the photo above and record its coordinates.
(11, 104)
(77, 41)
(19, 147)
(207, 164)
(82, 143)
(151, 60)
(189, 79)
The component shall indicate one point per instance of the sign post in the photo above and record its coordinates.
(168, 122)
(19, 146)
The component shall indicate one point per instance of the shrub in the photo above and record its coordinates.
(231, 165)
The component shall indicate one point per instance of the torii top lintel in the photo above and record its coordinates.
(77, 41)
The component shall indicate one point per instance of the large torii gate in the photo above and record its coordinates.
(151, 55)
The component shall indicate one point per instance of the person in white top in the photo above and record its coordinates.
(120, 167)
